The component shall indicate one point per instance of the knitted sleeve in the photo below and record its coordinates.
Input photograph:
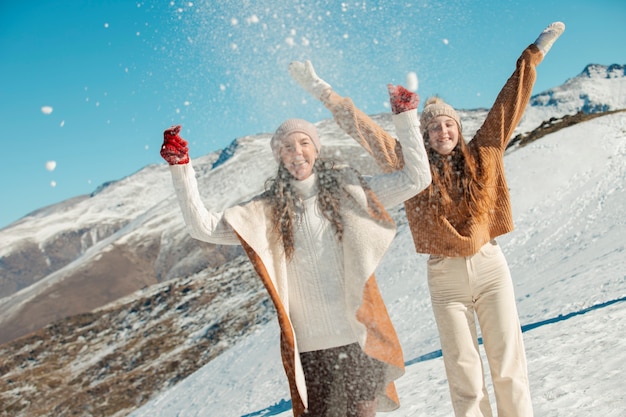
(202, 224)
(385, 149)
(509, 107)
(396, 187)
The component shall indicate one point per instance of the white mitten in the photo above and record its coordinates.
(548, 36)
(304, 74)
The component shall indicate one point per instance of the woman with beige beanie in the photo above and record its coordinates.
(315, 237)
(456, 220)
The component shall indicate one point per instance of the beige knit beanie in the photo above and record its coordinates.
(290, 126)
(435, 106)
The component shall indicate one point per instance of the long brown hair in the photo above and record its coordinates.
(457, 180)
(285, 205)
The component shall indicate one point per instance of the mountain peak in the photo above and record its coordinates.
(604, 71)
(597, 89)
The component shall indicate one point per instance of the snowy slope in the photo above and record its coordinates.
(567, 257)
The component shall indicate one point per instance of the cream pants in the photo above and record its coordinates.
(479, 286)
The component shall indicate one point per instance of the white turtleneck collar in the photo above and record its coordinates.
(307, 187)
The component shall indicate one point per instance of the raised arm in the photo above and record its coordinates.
(202, 224)
(396, 187)
(511, 102)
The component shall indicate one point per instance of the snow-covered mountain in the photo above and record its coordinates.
(165, 305)
(596, 89)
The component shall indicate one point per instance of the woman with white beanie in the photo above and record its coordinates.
(315, 237)
(456, 220)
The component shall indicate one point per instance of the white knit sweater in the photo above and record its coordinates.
(316, 281)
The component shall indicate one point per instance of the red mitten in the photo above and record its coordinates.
(174, 149)
(402, 99)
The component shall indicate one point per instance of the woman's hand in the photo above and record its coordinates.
(174, 149)
(402, 99)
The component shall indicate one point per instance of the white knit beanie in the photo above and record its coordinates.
(435, 106)
(290, 126)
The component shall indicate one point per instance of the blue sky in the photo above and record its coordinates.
(91, 85)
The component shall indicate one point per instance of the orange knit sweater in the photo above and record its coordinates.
(433, 232)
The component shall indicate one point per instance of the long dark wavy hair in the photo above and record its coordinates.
(284, 202)
(457, 180)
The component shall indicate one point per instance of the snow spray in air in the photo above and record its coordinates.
(411, 81)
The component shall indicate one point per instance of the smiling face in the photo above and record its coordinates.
(298, 154)
(443, 134)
